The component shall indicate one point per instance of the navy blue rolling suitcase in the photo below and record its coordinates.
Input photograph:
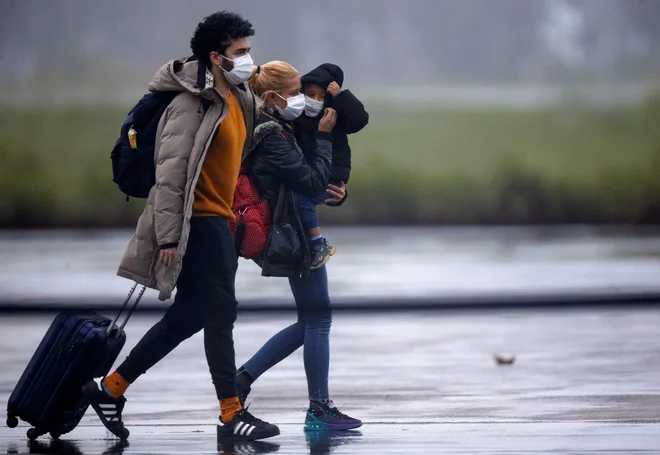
(76, 349)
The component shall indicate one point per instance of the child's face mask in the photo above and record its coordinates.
(312, 107)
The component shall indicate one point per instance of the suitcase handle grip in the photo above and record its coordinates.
(123, 307)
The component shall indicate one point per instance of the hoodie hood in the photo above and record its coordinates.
(323, 75)
(184, 75)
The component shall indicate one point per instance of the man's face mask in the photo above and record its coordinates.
(241, 71)
(312, 107)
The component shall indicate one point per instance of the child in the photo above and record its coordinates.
(322, 88)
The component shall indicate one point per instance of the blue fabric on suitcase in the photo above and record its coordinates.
(76, 349)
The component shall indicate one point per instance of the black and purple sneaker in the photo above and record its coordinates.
(326, 417)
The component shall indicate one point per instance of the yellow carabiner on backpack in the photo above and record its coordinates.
(132, 138)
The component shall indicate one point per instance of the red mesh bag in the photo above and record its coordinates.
(253, 219)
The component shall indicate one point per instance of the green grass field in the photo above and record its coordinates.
(418, 166)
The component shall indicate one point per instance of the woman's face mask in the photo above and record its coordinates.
(294, 107)
(312, 107)
(241, 71)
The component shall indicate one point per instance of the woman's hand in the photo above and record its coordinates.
(328, 121)
(338, 193)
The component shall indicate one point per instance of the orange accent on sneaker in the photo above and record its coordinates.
(229, 407)
(115, 384)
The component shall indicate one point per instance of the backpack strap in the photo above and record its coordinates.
(206, 105)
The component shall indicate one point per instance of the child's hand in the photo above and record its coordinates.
(333, 88)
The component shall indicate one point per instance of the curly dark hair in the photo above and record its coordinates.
(216, 33)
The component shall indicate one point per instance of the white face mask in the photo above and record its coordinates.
(312, 107)
(294, 107)
(241, 71)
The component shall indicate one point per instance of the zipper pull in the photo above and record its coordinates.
(132, 138)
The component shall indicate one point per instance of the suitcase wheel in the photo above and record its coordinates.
(12, 422)
(55, 435)
(33, 434)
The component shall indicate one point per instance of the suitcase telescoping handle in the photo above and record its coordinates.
(123, 307)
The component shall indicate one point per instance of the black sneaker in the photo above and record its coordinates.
(107, 408)
(320, 256)
(245, 427)
(326, 417)
(256, 447)
(243, 387)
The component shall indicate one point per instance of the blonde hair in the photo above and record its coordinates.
(271, 77)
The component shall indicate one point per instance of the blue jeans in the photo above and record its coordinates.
(311, 330)
(307, 209)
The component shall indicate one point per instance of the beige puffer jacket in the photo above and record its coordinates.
(184, 135)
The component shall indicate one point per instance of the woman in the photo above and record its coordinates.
(280, 170)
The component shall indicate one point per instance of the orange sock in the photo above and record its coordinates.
(115, 385)
(229, 407)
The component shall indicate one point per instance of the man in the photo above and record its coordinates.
(182, 237)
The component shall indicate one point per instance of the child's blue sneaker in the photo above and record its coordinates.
(321, 253)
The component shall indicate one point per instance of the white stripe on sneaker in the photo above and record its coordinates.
(251, 430)
(245, 429)
(238, 427)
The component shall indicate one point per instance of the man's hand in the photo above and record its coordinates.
(338, 193)
(167, 256)
(333, 88)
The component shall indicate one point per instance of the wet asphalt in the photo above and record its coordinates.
(424, 383)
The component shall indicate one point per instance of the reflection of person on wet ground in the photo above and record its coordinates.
(323, 442)
(278, 165)
(64, 447)
(318, 442)
(55, 446)
(237, 448)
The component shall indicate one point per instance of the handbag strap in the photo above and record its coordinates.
(240, 235)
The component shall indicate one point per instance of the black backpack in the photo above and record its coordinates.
(133, 168)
